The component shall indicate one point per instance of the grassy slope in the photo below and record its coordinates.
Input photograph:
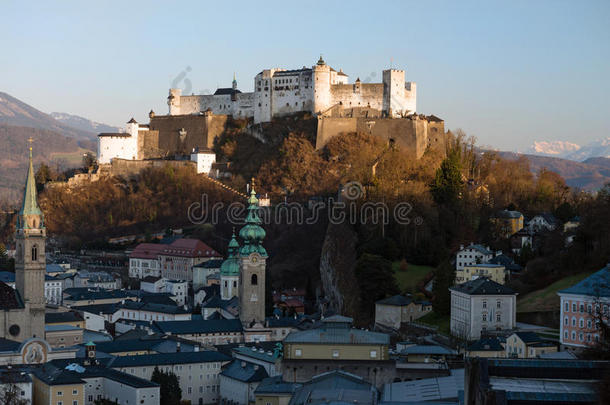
(440, 321)
(547, 299)
(407, 280)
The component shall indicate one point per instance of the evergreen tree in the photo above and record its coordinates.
(171, 393)
(446, 188)
(376, 280)
(444, 278)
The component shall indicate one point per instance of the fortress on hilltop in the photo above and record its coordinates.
(386, 110)
(279, 92)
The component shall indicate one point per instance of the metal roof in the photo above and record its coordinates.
(482, 286)
(428, 389)
(597, 285)
(168, 359)
(275, 385)
(196, 326)
(244, 371)
(327, 334)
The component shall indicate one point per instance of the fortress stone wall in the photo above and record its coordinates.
(127, 168)
(413, 134)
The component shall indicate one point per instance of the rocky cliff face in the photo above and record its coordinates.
(337, 265)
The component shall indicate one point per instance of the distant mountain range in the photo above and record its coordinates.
(83, 124)
(590, 174)
(572, 151)
(60, 142)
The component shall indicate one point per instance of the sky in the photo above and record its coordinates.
(507, 72)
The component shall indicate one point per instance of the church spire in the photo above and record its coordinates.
(30, 203)
(234, 82)
(252, 233)
(230, 267)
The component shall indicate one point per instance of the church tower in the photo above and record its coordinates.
(30, 263)
(229, 271)
(252, 261)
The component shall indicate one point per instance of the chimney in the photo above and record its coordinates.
(177, 347)
(461, 247)
(243, 364)
(256, 367)
(196, 348)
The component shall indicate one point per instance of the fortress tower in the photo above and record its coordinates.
(252, 260)
(394, 92)
(321, 86)
(30, 262)
(173, 101)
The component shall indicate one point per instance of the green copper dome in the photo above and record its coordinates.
(252, 233)
(230, 267)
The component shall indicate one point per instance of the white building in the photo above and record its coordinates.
(280, 92)
(17, 383)
(122, 145)
(197, 371)
(238, 381)
(53, 287)
(481, 305)
(472, 254)
(542, 222)
(204, 159)
(178, 289)
(144, 260)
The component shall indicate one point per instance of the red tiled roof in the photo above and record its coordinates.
(147, 251)
(189, 248)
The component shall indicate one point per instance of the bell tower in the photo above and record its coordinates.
(30, 262)
(252, 263)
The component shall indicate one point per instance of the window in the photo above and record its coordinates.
(484, 304)
(588, 324)
(74, 402)
(60, 393)
(580, 336)
(498, 304)
(573, 335)
(373, 354)
(567, 307)
(335, 354)
(566, 321)
(498, 318)
(74, 392)
(254, 279)
(565, 334)
(484, 317)
(573, 307)
(573, 321)
(298, 352)
(581, 323)
(582, 308)
(34, 253)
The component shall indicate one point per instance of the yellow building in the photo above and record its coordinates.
(489, 347)
(508, 222)
(60, 336)
(495, 272)
(527, 345)
(71, 318)
(57, 388)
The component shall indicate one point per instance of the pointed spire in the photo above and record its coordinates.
(30, 203)
(252, 233)
(234, 82)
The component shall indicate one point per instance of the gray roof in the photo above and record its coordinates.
(335, 387)
(428, 389)
(480, 248)
(331, 334)
(72, 371)
(508, 214)
(62, 317)
(275, 385)
(259, 353)
(207, 356)
(483, 286)
(197, 326)
(486, 344)
(244, 371)
(428, 349)
(596, 285)
(396, 300)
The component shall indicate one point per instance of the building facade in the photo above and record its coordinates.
(481, 305)
(144, 260)
(583, 305)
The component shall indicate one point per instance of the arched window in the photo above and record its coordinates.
(34, 253)
(254, 279)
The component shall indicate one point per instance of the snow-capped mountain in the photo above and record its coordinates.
(83, 124)
(553, 148)
(571, 151)
(599, 148)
